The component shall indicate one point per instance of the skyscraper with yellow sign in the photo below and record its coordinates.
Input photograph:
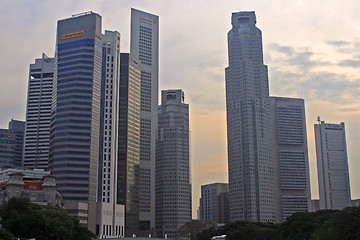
(83, 134)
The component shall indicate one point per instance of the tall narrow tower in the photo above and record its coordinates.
(251, 179)
(332, 164)
(173, 186)
(144, 45)
(75, 120)
(129, 141)
(38, 114)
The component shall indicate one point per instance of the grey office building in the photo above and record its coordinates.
(250, 161)
(18, 127)
(38, 113)
(332, 166)
(7, 148)
(144, 45)
(173, 182)
(214, 203)
(292, 179)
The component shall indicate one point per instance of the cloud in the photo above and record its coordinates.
(350, 63)
(339, 43)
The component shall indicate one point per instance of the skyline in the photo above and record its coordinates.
(311, 55)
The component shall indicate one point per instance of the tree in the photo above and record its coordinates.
(6, 235)
(28, 220)
(193, 227)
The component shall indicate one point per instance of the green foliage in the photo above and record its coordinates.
(193, 227)
(28, 220)
(320, 225)
(6, 235)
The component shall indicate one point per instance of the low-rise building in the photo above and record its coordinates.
(37, 185)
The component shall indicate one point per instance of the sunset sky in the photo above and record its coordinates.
(312, 49)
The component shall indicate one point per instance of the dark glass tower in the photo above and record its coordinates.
(129, 141)
(75, 119)
(19, 129)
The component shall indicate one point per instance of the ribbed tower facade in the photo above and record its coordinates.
(144, 45)
(110, 214)
(75, 120)
(38, 114)
(250, 162)
(173, 182)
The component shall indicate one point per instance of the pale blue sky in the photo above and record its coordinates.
(312, 49)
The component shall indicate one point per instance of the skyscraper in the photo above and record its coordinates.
(291, 171)
(332, 164)
(110, 214)
(173, 183)
(250, 162)
(38, 113)
(214, 203)
(18, 127)
(144, 45)
(75, 121)
(129, 141)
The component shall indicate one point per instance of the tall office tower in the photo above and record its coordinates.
(332, 164)
(18, 127)
(173, 183)
(214, 203)
(144, 45)
(250, 163)
(292, 189)
(129, 141)
(75, 122)
(7, 146)
(38, 114)
(110, 214)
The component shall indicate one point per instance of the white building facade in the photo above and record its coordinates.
(38, 114)
(110, 217)
(332, 164)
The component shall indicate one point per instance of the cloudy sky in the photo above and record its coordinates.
(312, 49)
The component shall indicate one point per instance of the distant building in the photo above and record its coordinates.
(173, 182)
(332, 164)
(7, 148)
(291, 171)
(214, 203)
(18, 127)
(144, 45)
(38, 113)
(37, 185)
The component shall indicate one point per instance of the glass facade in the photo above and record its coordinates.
(129, 141)
(75, 117)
